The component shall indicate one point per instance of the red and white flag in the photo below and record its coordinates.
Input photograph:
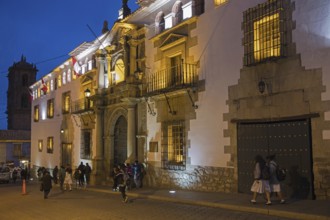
(76, 66)
(43, 87)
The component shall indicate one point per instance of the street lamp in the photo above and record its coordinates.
(87, 93)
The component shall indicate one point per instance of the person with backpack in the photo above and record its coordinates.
(274, 182)
(261, 180)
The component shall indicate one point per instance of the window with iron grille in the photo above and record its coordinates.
(50, 145)
(85, 151)
(173, 146)
(265, 32)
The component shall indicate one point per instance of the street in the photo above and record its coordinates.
(85, 204)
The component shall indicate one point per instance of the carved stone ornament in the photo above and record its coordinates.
(145, 3)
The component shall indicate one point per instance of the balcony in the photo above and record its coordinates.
(173, 78)
(82, 105)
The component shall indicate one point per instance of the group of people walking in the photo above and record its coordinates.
(265, 179)
(63, 175)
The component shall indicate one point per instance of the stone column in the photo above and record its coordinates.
(98, 174)
(131, 131)
(100, 84)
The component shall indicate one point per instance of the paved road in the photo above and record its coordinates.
(84, 204)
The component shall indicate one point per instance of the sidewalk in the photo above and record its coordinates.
(295, 209)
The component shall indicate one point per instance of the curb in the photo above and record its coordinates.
(271, 212)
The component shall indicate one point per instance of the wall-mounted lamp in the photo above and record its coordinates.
(261, 86)
(62, 130)
(87, 93)
(138, 74)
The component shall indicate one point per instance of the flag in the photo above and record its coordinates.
(43, 87)
(76, 66)
(31, 95)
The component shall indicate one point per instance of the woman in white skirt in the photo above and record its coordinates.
(260, 185)
(68, 178)
(274, 183)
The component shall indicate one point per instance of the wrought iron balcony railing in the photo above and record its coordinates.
(173, 78)
(82, 105)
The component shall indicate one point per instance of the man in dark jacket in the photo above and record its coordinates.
(47, 184)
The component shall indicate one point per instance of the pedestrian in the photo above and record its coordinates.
(23, 174)
(76, 177)
(62, 176)
(81, 169)
(120, 179)
(68, 178)
(113, 174)
(274, 183)
(260, 184)
(15, 173)
(137, 173)
(55, 174)
(88, 171)
(46, 184)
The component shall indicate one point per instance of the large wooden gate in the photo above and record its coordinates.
(290, 141)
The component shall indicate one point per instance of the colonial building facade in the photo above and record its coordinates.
(195, 90)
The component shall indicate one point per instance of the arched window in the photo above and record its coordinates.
(177, 13)
(159, 22)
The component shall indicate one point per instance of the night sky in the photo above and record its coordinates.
(46, 31)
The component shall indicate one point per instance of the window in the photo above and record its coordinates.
(66, 102)
(59, 81)
(173, 146)
(220, 2)
(64, 78)
(69, 75)
(265, 31)
(36, 113)
(50, 108)
(85, 151)
(52, 85)
(50, 145)
(159, 22)
(17, 150)
(40, 145)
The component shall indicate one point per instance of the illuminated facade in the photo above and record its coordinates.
(196, 89)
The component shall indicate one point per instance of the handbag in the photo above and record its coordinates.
(41, 187)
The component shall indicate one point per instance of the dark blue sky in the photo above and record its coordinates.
(44, 30)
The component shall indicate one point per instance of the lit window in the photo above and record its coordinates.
(69, 75)
(220, 2)
(66, 102)
(265, 30)
(64, 78)
(50, 145)
(59, 81)
(267, 39)
(36, 113)
(50, 108)
(52, 84)
(40, 145)
(173, 152)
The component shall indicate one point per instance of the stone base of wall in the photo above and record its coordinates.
(208, 179)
